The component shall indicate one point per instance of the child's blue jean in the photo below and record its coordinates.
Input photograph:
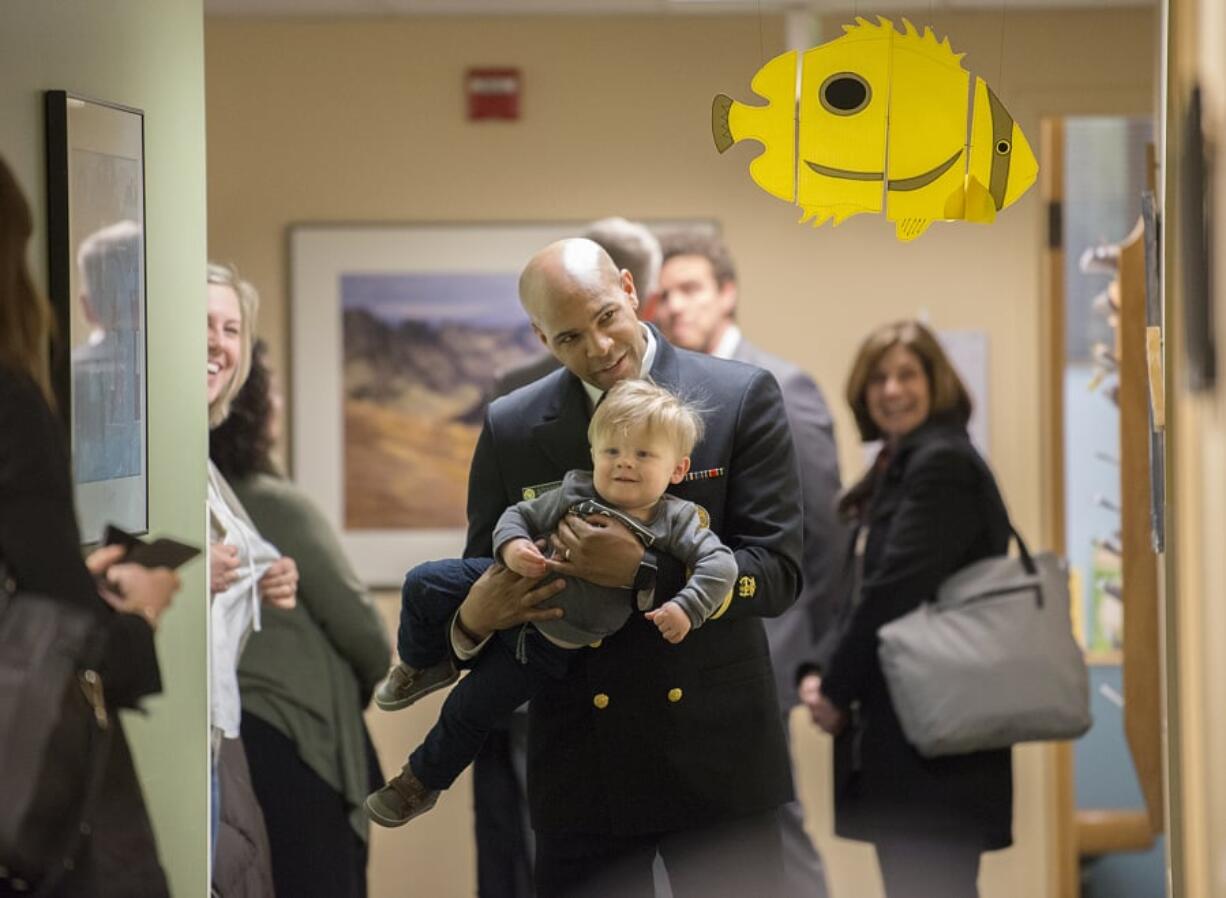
(508, 672)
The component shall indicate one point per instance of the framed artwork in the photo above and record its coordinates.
(968, 353)
(397, 334)
(96, 252)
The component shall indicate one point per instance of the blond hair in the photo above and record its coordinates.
(248, 307)
(641, 403)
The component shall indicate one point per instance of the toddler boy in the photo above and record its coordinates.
(641, 437)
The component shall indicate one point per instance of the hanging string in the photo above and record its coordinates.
(1000, 75)
(761, 42)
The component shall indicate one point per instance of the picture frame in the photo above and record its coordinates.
(397, 334)
(97, 285)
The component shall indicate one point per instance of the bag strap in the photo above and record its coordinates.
(1027, 561)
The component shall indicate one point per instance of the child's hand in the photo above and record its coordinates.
(671, 620)
(525, 559)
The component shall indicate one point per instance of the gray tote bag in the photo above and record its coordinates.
(991, 662)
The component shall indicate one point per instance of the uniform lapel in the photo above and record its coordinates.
(665, 369)
(562, 432)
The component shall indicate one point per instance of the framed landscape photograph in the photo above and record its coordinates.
(397, 333)
(96, 245)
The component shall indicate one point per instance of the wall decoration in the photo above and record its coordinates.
(1196, 226)
(1157, 378)
(880, 125)
(968, 353)
(96, 242)
(397, 335)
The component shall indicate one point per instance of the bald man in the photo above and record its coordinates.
(644, 746)
(633, 248)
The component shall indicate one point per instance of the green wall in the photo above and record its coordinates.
(148, 54)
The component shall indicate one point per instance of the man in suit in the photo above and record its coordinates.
(697, 311)
(644, 747)
(504, 837)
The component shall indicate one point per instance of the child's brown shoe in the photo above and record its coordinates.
(405, 685)
(403, 798)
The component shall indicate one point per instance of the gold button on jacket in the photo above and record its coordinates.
(600, 700)
(674, 694)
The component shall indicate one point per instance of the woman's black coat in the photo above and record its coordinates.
(40, 546)
(935, 509)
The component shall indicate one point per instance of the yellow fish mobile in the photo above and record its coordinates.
(881, 121)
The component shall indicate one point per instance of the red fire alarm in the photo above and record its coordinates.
(492, 93)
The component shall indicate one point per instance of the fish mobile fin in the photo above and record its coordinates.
(816, 216)
(772, 125)
(970, 202)
(819, 215)
(907, 229)
(720, 132)
(979, 203)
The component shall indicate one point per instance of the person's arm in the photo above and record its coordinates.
(500, 598)
(712, 563)
(487, 494)
(528, 519)
(938, 517)
(330, 589)
(40, 544)
(762, 517)
(817, 457)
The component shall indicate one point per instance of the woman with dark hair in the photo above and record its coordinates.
(927, 507)
(40, 551)
(306, 676)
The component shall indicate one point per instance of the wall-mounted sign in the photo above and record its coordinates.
(492, 93)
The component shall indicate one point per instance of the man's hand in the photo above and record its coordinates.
(501, 599)
(597, 549)
(279, 585)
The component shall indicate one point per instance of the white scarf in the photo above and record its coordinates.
(235, 612)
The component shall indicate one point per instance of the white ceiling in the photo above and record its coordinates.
(368, 8)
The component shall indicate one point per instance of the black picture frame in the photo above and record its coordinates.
(1196, 214)
(97, 277)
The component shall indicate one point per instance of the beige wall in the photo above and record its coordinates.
(334, 121)
(148, 54)
(1196, 481)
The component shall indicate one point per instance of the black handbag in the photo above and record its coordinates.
(54, 734)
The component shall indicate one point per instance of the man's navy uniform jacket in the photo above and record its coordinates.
(644, 736)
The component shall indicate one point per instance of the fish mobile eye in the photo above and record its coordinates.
(879, 120)
(845, 93)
